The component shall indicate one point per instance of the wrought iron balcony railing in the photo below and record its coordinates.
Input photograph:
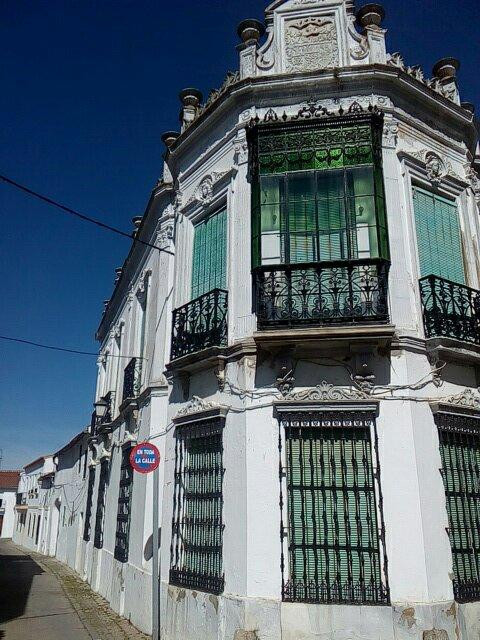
(132, 378)
(200, 324)
(323, 293)
(450, 310)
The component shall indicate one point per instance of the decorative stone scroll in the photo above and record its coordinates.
(468, 399)
(311, 44)
(326, 392)
(197, 405)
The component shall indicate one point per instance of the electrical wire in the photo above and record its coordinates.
(65, 350)
(82, 216)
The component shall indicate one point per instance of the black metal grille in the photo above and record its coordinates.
(88, 508)
(124, 507)
(197, 527)
(450, 310)
(336, 543)
(322, 293)
(200, 324)
(132, 379)
(460, 451)
(102, 494)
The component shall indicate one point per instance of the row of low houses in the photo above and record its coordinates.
(299, 334)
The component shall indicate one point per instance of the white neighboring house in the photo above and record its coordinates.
(303, 346)
(65, 510)
(34, 488)
(8, 490)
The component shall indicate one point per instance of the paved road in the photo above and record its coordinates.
(41, 599)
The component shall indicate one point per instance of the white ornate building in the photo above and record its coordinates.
(303, 346)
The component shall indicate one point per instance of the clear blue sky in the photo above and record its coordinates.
(87, 89)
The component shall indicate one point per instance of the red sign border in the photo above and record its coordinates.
(133, 453)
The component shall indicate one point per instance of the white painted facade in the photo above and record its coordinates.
(7, 506)
(31, 518)
(333, 69)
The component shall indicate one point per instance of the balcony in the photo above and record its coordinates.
(200, 324)
(450, 311)
(322, 294)
(132, 377)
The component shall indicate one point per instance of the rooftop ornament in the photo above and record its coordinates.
(446, 68)
(468, 106)
(169, 138)
(371, 15)
(250, 31)
(191, 97)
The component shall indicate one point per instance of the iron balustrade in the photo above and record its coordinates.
(200, 324)
(450, 310)
(323, 293)
(132, 379)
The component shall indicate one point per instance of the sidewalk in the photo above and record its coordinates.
(42, 599)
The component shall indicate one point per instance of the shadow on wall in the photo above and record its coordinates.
(16, 576)
(148, 550)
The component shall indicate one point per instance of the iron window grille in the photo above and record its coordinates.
(200, 324)
(197, 525)
(101, 504)
(335, 533)
(132, 379)
(460, 452)
(450, 310)
(88, 508)
(124, 507)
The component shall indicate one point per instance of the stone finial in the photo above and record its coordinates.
(446, 68)
(190, 97)
(169, 138)
(250, 31)
(137, 221)
(468, 106)
(371, 15)
(191, 100)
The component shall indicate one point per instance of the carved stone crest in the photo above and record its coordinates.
(311, 44)
(435, 167)
(205, 191)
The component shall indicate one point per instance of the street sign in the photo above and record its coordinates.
(145, 458)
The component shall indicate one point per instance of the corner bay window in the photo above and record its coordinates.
(460, 452)
(318, 201)
(197, 527)
(335, 531)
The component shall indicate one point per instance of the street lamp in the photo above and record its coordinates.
(101, 408)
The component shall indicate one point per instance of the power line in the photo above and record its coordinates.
(53, 348)
(83, 217)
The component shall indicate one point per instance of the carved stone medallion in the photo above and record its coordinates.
(310, 44)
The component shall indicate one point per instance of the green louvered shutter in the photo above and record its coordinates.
(209, 254)
(438, 236)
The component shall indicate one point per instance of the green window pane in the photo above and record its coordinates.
(323, 201)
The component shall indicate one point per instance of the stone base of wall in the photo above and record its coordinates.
(191, 615)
